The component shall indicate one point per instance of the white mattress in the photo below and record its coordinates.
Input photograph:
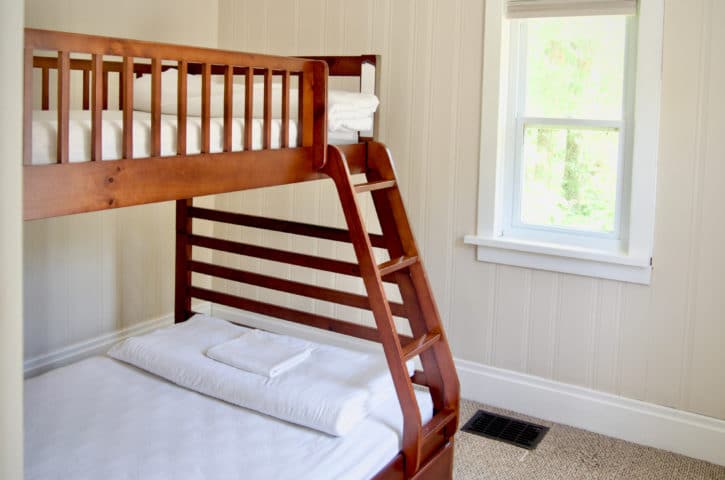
(102, 419)
(45, 128)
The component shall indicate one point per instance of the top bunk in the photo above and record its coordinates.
(183, 125)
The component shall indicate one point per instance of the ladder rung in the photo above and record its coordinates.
(439, 421)
(376, 185)
(395, 264)
(421, 344)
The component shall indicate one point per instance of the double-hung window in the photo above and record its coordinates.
(569, 135)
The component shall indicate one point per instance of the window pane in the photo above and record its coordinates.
(575, 67)
(570, 177)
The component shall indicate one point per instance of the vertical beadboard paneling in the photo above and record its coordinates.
(572, 353)
(510, 317)
(86, 275)
(605, 336)
(707, 316)
(656, 343)
(677, 200)
(542, 312)
(634, 341)
(436, 231)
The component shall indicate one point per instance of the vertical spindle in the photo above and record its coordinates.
(96, 106)
(248, 107)
(155, 107)
(126, 96)
(86, 88)
(205, 107)
(267, 136)
(228, 106)
(285, 108)
(181, 109)
(45, 89)
(63, 105)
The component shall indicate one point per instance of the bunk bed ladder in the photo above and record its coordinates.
(421, 443)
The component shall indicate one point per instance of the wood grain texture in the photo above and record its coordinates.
(636, 337)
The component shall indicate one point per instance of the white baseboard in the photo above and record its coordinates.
(643, 423)
(639, 422)
(94, 346)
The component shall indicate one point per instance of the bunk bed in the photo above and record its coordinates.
(291, 147)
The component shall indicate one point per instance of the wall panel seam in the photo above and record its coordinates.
(690, 317)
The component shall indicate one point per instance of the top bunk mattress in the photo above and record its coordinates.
(101, 418)
(45, 134)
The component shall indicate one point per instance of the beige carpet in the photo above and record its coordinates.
(569, 453)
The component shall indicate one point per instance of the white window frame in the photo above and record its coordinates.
(626, 256)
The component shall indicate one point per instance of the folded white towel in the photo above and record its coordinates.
(261, 352)
(351, 104)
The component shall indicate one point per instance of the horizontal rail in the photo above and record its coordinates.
(296, 228)
(281, 256)
(345, 66)
(194, 68)
(298, 316)
(100, 185)
(81, 43)
(289, 286)
(91, 186)
(419, 345)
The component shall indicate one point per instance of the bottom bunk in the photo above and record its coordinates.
(112, 420)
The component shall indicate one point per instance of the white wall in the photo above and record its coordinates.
(87, 275)
(662, 343)
(11, 248)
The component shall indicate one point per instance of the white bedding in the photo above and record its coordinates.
(102, 419)
(45, 128)
(332, 391)
(264, 353)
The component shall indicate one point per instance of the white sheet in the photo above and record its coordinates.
(102, 419)
(331, 391)
(45, 132)
(263, 353)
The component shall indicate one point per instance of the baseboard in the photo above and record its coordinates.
(643, 423)
(94, 346)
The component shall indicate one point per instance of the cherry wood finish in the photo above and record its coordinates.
(63, 188)
(283, 165)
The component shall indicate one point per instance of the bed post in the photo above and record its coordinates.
(182, 300)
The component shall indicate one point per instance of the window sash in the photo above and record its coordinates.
(513, 223)
(569, 8)
(517, 222)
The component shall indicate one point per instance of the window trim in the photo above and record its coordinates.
(631, 261)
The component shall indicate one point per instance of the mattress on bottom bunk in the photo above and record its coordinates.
(100, 418)
(45, 134)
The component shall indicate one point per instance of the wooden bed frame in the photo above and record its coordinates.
(65, 188)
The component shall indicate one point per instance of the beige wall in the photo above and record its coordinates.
(11, 248)
(86, 275)
(662, 343)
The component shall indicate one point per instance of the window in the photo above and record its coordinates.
(569, 136)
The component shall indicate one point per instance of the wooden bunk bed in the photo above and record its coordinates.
(65, 188)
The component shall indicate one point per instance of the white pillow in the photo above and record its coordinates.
(332, 391)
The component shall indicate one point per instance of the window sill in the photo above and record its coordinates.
(562, 258)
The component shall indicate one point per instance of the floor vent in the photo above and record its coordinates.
(506, 429)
